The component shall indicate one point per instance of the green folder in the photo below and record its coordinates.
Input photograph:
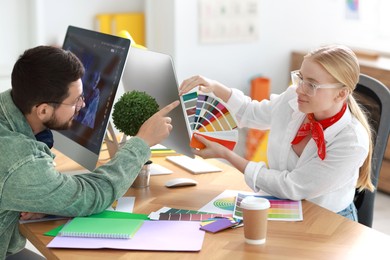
(101, 227)
(105, 214)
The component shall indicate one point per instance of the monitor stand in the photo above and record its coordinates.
(111, 140)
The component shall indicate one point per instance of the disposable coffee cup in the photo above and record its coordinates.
(255, 217)
(143, 178)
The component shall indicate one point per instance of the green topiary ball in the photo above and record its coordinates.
(132, 110)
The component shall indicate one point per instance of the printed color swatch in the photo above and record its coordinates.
(281, 209)
(209, 117)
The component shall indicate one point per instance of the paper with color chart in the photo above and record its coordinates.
(223, 203)
(230, 200)
(153, 235)
(281, 209)
(166, 213)
(209, 116)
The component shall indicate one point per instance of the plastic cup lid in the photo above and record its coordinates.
(252, 202)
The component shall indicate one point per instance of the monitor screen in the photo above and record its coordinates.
(104, 57)
(153, 73)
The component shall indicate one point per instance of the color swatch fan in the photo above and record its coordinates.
(208, 116)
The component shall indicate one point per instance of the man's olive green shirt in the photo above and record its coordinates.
(29, 181)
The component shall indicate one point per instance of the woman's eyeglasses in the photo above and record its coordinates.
(309, 88)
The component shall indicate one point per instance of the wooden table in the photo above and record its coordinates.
(321, 235)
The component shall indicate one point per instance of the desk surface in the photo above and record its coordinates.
(321, 235)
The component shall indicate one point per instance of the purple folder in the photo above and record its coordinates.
(218, 225)
(153, 235)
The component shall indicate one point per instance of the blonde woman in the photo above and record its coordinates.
(319, 146)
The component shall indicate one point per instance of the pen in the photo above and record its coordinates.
(114, 204)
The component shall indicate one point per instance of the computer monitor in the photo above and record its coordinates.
(153, 73)
(104, 57)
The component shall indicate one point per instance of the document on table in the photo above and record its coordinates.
(195, 166)
(157, 169)
(229, 201)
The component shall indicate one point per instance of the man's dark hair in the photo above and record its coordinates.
(43, 74)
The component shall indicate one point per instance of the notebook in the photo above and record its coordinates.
(153, 235)
(101, 227)
(195, 166)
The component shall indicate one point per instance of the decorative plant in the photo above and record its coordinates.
(132, 110)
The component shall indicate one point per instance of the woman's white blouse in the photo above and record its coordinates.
(329, 183)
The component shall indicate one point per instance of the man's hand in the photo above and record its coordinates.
(158, 126)
(31, 215)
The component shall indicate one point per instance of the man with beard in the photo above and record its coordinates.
(47, 93)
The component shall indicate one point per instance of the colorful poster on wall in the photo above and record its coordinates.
(352, 9)
(228, 21)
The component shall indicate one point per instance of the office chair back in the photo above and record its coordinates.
(375, 98)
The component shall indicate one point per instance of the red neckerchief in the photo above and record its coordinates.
(316, 128)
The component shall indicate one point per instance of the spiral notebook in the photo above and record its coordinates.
(101, 227)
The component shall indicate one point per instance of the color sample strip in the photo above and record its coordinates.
(189, 101)
(200, 110)
(189, 96)
(184, 211)
(281, 209)
(191, 217)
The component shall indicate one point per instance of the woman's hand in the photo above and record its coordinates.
(206, 86)
(216, 150)
(212, 149)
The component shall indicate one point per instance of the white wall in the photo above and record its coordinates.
(28, 23)
(283, 26)
(172, 27)
(14, 31)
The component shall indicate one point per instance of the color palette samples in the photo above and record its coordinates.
(191, 217)
(281, 209)
(225, 203)
(208, 116)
